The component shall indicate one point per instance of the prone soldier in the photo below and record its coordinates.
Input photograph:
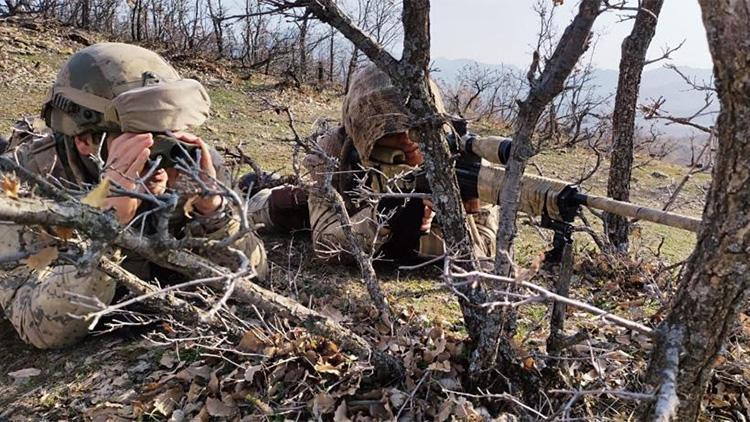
(374, 135)
(106, 102)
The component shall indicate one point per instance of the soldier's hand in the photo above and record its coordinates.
(127, 156)
(427, 217)
(206, 205)
(472, 206)
(126, 159)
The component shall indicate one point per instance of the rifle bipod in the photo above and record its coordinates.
(563, 236)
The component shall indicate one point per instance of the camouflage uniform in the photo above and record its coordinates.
(39, 302)
(372, 110)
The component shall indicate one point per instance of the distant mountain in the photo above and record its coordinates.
(656, 82)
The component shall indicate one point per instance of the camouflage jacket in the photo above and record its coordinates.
(37, 302)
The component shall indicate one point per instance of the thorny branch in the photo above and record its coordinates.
(334, 198)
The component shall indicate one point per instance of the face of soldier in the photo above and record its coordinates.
(401, 141)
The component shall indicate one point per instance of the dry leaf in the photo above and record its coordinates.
(41, 259)
(96, 197)
(202, 416)
(64, 233)
(397, 398)
(213, 383)
(188, 207)
(340, 415)
(168, 359)
(251, 371)
(10, 186)
(24, 373)
(251, 343)
(444, 366)
(218, 408)
(528, 363)
(323, 404)
(332, 313)
(445, 410)
(166, 402)
(327, 368)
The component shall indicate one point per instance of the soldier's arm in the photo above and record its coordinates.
(486, 223)
(225, 222)
(38, 303)
(329, 239)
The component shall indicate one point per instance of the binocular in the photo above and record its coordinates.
(171, 152)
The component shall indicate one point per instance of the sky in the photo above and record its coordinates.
(504, 31)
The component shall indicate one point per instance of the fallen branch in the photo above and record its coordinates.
(667, 400)
(562, 286)
(546, 295)
(103, 226)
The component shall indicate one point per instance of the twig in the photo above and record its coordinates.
(413, 393)
(667, 402)
(504, 396)
(545, 295)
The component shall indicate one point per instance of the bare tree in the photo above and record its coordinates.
(475, 93)
(633, 59)
(492, 352)
(716, 281)
(543, 89)
(12, 8)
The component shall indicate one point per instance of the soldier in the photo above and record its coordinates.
(374, 135)
(105, 102)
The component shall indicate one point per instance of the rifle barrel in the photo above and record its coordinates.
(540, 193)
(627, 209)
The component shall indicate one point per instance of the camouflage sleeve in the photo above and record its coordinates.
(250, 244)
(225, 223)
(486, 224)
(483, 227)
(39, 303)
(329, 240)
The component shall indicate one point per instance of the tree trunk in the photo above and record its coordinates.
(302, 72)
(331, 56)
(350, 69)
(570, 48)
(716, 280)
(632, 61)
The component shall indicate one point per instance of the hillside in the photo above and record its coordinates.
(121, 376)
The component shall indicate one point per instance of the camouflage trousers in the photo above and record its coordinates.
(42, 305)
(45, 306)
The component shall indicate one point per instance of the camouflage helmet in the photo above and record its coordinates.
(122, 87)
(373, 108)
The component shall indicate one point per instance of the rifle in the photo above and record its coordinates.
(480, 175)
(557, 202)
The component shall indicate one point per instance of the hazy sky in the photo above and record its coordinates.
(504, 31)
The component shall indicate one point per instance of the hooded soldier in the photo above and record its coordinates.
(98, 121)
(374, 136)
